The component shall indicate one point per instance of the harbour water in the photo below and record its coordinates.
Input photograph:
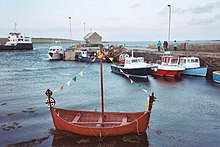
(186, 113)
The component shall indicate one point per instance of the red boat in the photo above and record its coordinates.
(169, 67)
(99, 124)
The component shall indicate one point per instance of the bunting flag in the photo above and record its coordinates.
(93, 60)
(144, 90)
(68, 83)
(127, 75)
(132, 81)
(139, 85)
(100, 55)
(74, 79)
(117, 64)
(147, 105)
(81, 74)
(110, 58)
(62, 87)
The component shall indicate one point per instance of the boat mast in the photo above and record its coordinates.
(101, 78)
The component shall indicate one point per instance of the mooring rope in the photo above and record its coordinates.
(138, 129)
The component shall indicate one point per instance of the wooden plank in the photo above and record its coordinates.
(78, 115)
(104, 123)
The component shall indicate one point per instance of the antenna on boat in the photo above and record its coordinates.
(15, 27)
(101, 78)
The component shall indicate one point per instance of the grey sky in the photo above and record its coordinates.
(113, 20)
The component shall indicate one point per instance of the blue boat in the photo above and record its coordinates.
(216, 76)
(192, 67)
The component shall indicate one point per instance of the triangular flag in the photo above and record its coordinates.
(121, 70)
(62, 87)
(132, 81)
(100, 55)
(117, 64)
(81, 74)
(110, 58)
(74, 79)
(147, 105)
(144, 90)
(68, 83)
(93, 60)
(127, 75)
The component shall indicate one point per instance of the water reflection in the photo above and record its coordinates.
(62, 138)
(167, 79)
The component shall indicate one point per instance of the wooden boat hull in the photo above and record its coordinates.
(88, 122)
(216, 76)
(196, 71)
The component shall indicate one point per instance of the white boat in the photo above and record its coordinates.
(192, 66)
(216, 76)
(169, 67)
(55, 53)
(134, 67)
(17, 41)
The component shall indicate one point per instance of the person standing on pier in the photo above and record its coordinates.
(175, 45)
(158, 45)
(165, 45)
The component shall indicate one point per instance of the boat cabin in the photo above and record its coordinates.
(56, 49)
(91, 53)
(134, 62)
(15, 38)
(170, 60)
(190, 62)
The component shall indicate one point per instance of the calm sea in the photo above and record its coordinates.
(186, 113)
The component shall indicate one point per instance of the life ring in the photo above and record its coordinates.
(50, 102)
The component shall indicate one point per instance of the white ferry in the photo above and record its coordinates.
(16, 41)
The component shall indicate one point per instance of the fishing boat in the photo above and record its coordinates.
(99, 123)
(134, 67)
(55, 53)
(89, 55)
(169, 67)
(216, 76)
(17, 41)
(89, 52)
(192, 67)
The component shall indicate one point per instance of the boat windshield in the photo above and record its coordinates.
(174, 61)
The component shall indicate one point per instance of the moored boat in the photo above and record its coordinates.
(99, 124)
(17, 41)
(134, 67)
(192, 66)
(169, 67)
(216, 76)
(55, 53)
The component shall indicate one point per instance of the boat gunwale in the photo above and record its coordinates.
(120, 124)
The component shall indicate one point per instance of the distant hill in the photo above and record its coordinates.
(46, 40)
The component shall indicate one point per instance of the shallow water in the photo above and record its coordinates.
(186, 112)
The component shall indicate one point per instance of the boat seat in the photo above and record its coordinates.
(124, 120)
(99, 122)
(76, 118)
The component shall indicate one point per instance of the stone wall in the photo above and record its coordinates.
(209, 46)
